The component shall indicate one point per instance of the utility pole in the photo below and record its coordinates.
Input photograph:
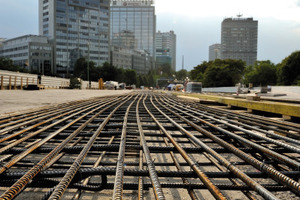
(88, 66)
(182, 62)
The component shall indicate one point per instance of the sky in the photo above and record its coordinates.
(197, 24)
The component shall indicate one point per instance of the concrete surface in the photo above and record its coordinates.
(17, 100)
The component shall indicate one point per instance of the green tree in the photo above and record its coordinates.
(109, 73)
(7, 64)
(181, 74)
(197, 74)
(166, 70)
(130, 77)
(262, 73)
(223, 73)
(288, 70)
(151, 78)
(81, 67)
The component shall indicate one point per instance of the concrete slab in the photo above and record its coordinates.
(283, 108)
(17, 100)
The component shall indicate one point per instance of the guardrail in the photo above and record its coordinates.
(16, 80)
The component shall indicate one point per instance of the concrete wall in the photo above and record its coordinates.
(14, 80)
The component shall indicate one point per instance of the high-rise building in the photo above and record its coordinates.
(214, 52)
(126, 58)
(239, 39)
(165, 44)
(134, 21)
(1, 41)
(31, 52)
(77, 29)
(125, 39)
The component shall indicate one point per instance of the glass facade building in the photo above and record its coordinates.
(77, 28)
(133, 20)
(166, 47)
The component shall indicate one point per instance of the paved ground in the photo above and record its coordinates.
(17, 100)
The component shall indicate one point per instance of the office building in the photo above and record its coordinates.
(163, 60)
(165, 44)
(214, 52)
(125, 39)
(125, 58)
(31, 52)
(133, 25)
(1, 41)
(78, 29)
(239, 39)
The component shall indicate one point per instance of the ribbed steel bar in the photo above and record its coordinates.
(256, 163)
(152, 143)
(6, 118)
(223, 169)
(87, 172)
(96, 164)
(62, 186)
(118, 188)
(40, 143)
(22, 182)
(193, 164)
(57, 114)
(277, 156)
(179, 168)
(37, 117)
(261, 120)
(69, 114)
(251, 133)
(140, 180)
(250, 182)
(241, 123)
(151, 167)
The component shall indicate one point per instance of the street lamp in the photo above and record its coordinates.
(88, 66)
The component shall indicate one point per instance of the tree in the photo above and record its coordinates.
(7, 64)
(197, 74)
(109, 73)
(181, 74)
(130, 77)
(261, 74)
(288, 70)
(80, 70)
(217, 76)
(219, 73)
(165, 70)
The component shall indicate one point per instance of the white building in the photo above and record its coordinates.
(215, 52)
(31, 52)
(1, 41)
(165, 44)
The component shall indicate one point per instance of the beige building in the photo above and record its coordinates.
(138, 60)
(214, 52)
